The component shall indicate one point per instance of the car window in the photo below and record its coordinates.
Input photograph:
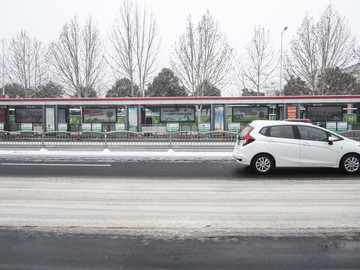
(245, 131)
(263, 131)
(282, 132)
(312, 134)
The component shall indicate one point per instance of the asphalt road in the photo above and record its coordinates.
(149, 167)
(52, 251)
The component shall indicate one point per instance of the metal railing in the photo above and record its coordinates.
(116, 139)
(127, 139)
(351, 134)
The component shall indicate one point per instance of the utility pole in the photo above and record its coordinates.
(3, 67)
(281, 59)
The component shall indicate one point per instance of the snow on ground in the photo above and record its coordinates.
(183, 207)
(116, 153)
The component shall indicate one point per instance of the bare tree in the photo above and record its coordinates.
(65, 56)
(147, 46)
(135, 43)
(203, 55)
(259, 66)
(357, 54)
(26, 63)
(336, 43)
(93, 58)
(320, 46)
(122, 40)
(77, 58)
(304, 58)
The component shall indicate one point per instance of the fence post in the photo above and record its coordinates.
(43, 139)
(106, 145)
(170, 141)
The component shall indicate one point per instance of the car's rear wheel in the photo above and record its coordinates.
(350, 163)
(262, 163)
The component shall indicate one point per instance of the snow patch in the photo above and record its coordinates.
(108, 153)
(171, 152)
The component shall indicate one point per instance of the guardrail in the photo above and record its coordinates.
(123, 139)
(351, 134)
(127, 139)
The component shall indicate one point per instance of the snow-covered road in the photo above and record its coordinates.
(181, 207)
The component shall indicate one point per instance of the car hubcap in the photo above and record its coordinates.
(352, 164)
(263, 164)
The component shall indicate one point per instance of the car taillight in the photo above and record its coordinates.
(248, 139)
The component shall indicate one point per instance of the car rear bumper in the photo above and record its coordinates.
(241, 158)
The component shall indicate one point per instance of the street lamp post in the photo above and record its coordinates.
(3, 66)
(281, 59)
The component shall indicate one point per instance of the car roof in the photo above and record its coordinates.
(258, 123)
(299, 120)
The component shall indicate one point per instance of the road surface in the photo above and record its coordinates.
(180, 197)
(43, 251)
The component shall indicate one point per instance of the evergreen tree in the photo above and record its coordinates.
(50, 90)
(14, 90)
(208, 90)
(250, 93)
(337, 82)
(166, 84)
(122, 88)
(296, 87)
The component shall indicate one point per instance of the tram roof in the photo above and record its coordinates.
(165, 101)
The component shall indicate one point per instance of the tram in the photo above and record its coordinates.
(173, 114)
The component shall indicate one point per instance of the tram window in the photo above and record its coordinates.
(75, 112)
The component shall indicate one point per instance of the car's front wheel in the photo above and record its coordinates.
(350, 163)
(262, 163)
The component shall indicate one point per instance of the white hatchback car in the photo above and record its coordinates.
(264, 145)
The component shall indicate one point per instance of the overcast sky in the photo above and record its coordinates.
(44, 19)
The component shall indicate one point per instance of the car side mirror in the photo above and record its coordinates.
(331, 140)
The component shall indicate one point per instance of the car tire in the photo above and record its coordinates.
(262, 163)
(350, 163)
